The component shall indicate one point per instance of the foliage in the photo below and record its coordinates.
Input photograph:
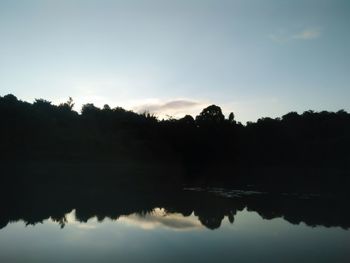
(42, 130)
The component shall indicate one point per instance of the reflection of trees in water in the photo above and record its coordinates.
(210, 209)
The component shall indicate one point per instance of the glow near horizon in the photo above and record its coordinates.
(251, 57)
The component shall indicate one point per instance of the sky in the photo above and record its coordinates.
(252, 57)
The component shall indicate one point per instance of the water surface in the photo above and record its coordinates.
(218, 226)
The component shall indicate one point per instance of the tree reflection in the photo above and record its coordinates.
(210, 209)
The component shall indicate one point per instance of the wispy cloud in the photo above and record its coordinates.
(279, 37)
(170, 105)
(305, 34)
(308, 34)
(174, 108)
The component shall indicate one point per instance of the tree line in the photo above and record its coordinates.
(209, 142)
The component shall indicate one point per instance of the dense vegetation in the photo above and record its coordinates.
(309, 147)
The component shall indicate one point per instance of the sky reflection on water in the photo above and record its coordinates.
(161, 236)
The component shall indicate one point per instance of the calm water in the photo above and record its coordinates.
(214, 228)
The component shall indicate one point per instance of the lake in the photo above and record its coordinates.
(193, 225)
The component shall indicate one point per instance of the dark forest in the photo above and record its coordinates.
(299, 152)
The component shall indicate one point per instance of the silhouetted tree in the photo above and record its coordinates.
(106, 107)
(187, 121)
(211, 115)
(89, 108)
(67, 105)
(231, 118)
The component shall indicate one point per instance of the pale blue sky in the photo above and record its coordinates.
(253, 57)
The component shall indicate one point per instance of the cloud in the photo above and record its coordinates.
(280, 38)
(159, 218)
(171, 105)
(175, 108)
(308, 34)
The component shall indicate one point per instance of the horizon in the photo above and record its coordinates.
(163, 116)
